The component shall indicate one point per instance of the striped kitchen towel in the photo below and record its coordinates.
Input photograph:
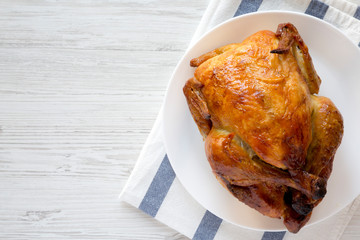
(153, 186)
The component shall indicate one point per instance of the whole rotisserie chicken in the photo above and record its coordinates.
(269, 138)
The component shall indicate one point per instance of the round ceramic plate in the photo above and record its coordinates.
(337, 61)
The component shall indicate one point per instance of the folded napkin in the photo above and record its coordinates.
(153, 186)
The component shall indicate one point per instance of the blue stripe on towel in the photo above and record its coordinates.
(357, 13)
(317, 9)
(208, 227)
(273, 235)
(158, 189)
(248, 6)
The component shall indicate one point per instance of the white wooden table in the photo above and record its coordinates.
(80, 87)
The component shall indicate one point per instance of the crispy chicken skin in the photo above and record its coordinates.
(269, 140)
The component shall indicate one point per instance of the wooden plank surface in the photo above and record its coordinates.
(80, 86)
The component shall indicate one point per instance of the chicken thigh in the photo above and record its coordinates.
(268, 138)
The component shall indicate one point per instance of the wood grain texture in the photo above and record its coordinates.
(80, 86)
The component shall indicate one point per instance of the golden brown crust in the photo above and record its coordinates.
(269, 141)
(290, 40)
(195, 62)
(265, 198)
(197, 105)
(234, 161)
(327, 132)
(258, 92)
(328, 129)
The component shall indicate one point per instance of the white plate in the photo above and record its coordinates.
(337, 61)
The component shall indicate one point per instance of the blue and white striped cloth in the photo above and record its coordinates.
(153, 186)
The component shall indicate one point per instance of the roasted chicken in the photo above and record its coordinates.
(269, 138)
